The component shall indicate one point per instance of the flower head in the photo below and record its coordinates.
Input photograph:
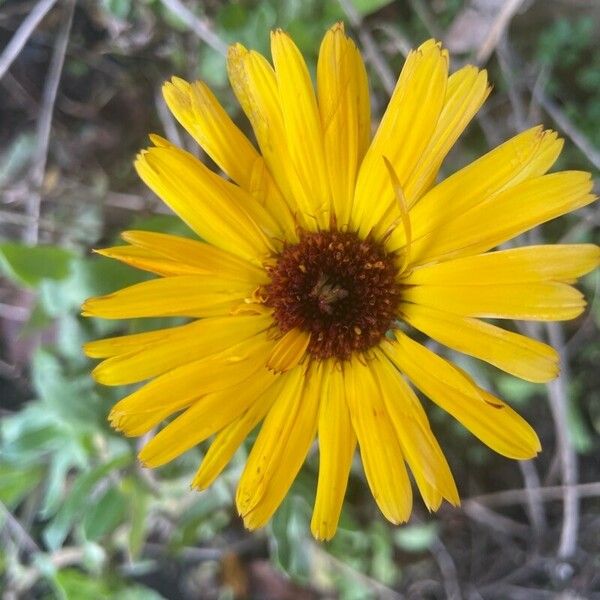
(319, 258)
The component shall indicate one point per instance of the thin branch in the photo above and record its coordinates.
(18, 532)
(447, 568)
(482, 514)
(567, 126)
(19, 39)
(44, 124)
(198, 26)
(505, 14)
(371, 51)
(534, 505)
(547, 494)
(557, 398)
(167, 120)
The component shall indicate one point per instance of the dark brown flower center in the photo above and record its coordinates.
(340, 288)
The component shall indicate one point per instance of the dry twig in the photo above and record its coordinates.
(44, 124)
(19, 39)
(369, 46)
(197, 25)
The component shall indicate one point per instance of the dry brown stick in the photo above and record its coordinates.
(166, 119)
(567, 126)
(481, 513)
(447, 568)
(197, 25)
(371, 51)
(19, 39)
(557, 396)
(535, 508)
(547, 494)
(505, 14)
(44, 124)
(18, 532)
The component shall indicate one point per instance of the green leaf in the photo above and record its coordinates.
(77, 501)
(118, 8)
(104, 514)
(29, 265)
(290, 528)
(16, 482)
(366, 7)
(70, 399)
(416, 538)
(138, 499)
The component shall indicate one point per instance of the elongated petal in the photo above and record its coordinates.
(191, 342)
(202, 115)
(302, 122)
(255, 86)
(204, 418)
(514, 353)
(146, 260)
(178, 388)
(201, 257)
(380, 449)
(466, 92)
(211, 206)
(281, 447)
(345, 116)
(288, 351)
(487, 417)
(539, 301)
(405, 131)
(184, 296)
(337, 443)
(230, 438)
(198, 110)
(558, 262)
(507, 215)
(124, 344)
(527, 155)
(419, 446)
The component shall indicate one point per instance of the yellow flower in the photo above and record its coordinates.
(321, 255)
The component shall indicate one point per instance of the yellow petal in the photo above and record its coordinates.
(189, 343)
(204, 418)
(123, 344)
(281, 447)
(345, 116)
(527, 155)
(149, 405)
(403, 135)
(380, 450)
(487, 417)
(140, 258)
(466, 92)
(201, 257)
(514, 353)
(558, 262)
(419, 446)
(337, 442)
(229, 439)
(198, 110)
(505, 216)
(255, 86)
(538, 301)
(214, 208)
(289, 351)
(184, 296)
(302, 127)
